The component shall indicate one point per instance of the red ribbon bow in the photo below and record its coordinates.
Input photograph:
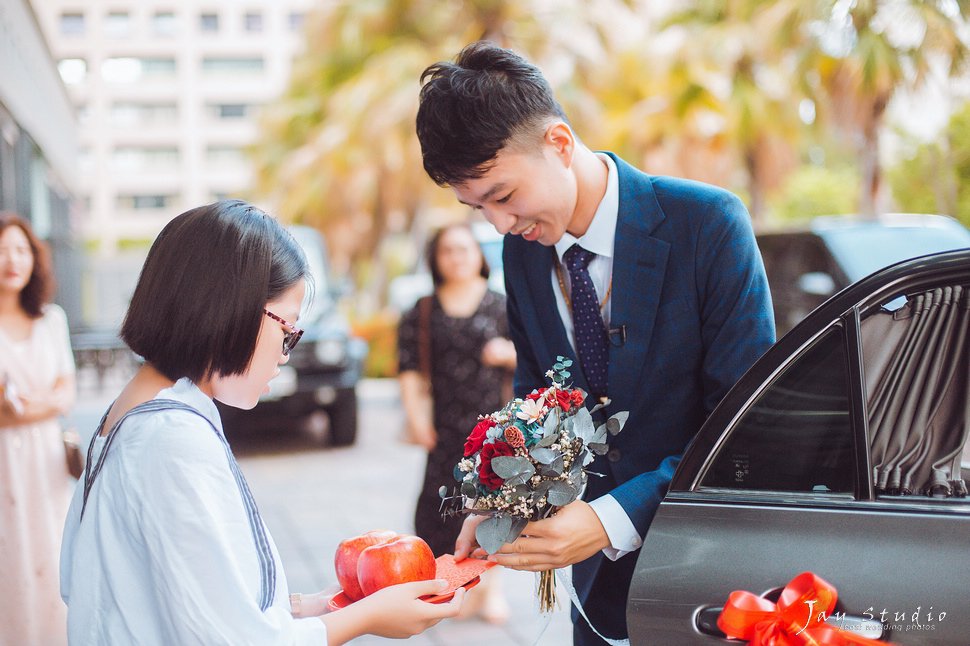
(798, 618)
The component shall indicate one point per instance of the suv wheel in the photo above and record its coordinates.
(343, 418)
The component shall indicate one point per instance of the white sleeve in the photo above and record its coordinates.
(60, 338)
(196, 529)
(619, 528)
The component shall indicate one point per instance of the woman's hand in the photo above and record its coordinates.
(424, 436)
(396, 612)
(499, 353)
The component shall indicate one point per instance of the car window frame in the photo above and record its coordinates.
(686, 487)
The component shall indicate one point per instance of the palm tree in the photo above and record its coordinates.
(855, 55)
(339, 150)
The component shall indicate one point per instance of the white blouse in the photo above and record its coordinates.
(165, 552)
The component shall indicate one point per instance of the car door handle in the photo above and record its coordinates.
(705, 620)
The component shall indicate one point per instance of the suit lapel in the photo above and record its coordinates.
(639, 264)
(554, 342)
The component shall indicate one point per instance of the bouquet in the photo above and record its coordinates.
(526, 461)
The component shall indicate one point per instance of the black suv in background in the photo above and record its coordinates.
(324, 367)
(807, 265)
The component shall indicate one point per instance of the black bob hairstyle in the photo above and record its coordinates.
(471, 109)
(431, 253)
(198, 306)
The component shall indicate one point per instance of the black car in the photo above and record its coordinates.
(807, 264)
(842, 452)
(323, 369)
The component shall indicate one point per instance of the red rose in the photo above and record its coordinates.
(537, 395)
(577, 397)
(564, 399)
(477, 436)
(485, 474)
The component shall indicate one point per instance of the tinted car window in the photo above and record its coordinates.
(797, 436)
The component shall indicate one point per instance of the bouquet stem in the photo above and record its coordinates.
(547, 591)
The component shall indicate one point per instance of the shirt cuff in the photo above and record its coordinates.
(619, 528)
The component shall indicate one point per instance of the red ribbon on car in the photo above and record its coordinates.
(798, 618)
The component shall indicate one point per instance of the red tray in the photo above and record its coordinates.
(465, 574)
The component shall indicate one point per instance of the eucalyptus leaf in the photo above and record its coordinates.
(518, 524)
(507, 466)
(615, 423)
(518, 479)
(443, 491)
(560, 494)
(551, 425)
(548, 440)
(567, 362)
(576, 471)
(561, 358)
(558, 366)
(491, 533)
(544, 456)
(566, 374)
(458, 474)
(598, 448)
(599, 436)
(602, 404)
(554, 468)
(583, 425)
(469, 490)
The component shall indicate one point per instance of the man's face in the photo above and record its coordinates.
(532, 194)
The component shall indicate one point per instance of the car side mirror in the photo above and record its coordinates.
(817, 283)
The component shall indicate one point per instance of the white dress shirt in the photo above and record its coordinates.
(165, 553)
(599, 238)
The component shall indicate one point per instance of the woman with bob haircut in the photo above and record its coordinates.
(36, 387)
(164, 543)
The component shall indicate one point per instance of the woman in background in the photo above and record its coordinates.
(37, 380)
(453, 348)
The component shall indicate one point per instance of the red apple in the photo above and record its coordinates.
(404, 559)
(345, 560)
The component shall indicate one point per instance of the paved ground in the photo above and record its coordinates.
(311, 498)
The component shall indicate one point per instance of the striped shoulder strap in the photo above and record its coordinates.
(267, 565)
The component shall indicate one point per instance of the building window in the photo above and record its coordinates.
(129, 158)
(163, 23)
(72, 70)
(230, 111)
(72, 23)
(221, 65)
(117, 24)
(296, 20)
(224, 155)
(253, 21)
(144, 202)
(130, 113)
(131, 70)
(209, 22)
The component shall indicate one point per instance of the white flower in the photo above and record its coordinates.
(530, 411)
(549, 373)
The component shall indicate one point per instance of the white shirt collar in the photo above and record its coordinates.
(185, 391)
(601, 234)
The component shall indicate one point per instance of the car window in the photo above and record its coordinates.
(917, 367)
(797, 436)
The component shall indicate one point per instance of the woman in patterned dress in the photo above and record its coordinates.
(468, 356)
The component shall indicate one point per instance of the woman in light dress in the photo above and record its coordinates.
(37, 380)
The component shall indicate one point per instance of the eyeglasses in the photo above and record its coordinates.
(291, 337)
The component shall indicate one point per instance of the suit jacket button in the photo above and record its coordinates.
(613, 455)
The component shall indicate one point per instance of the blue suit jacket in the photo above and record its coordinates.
(689, 288)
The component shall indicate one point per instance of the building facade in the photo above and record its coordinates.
(38, 145)
(167, 95)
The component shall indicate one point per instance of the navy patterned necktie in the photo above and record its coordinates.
(592, 341)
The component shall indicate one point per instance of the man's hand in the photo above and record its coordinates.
(574, 534)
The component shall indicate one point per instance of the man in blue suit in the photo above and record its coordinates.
(653, 285)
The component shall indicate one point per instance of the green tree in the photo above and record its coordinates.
(338, 150)
(855, 55)
(935, 177)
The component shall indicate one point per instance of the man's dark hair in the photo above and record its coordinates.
(39, 290)
(198, 306)
(472, 108)
(431, 253)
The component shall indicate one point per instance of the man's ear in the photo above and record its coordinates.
(560, 137)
